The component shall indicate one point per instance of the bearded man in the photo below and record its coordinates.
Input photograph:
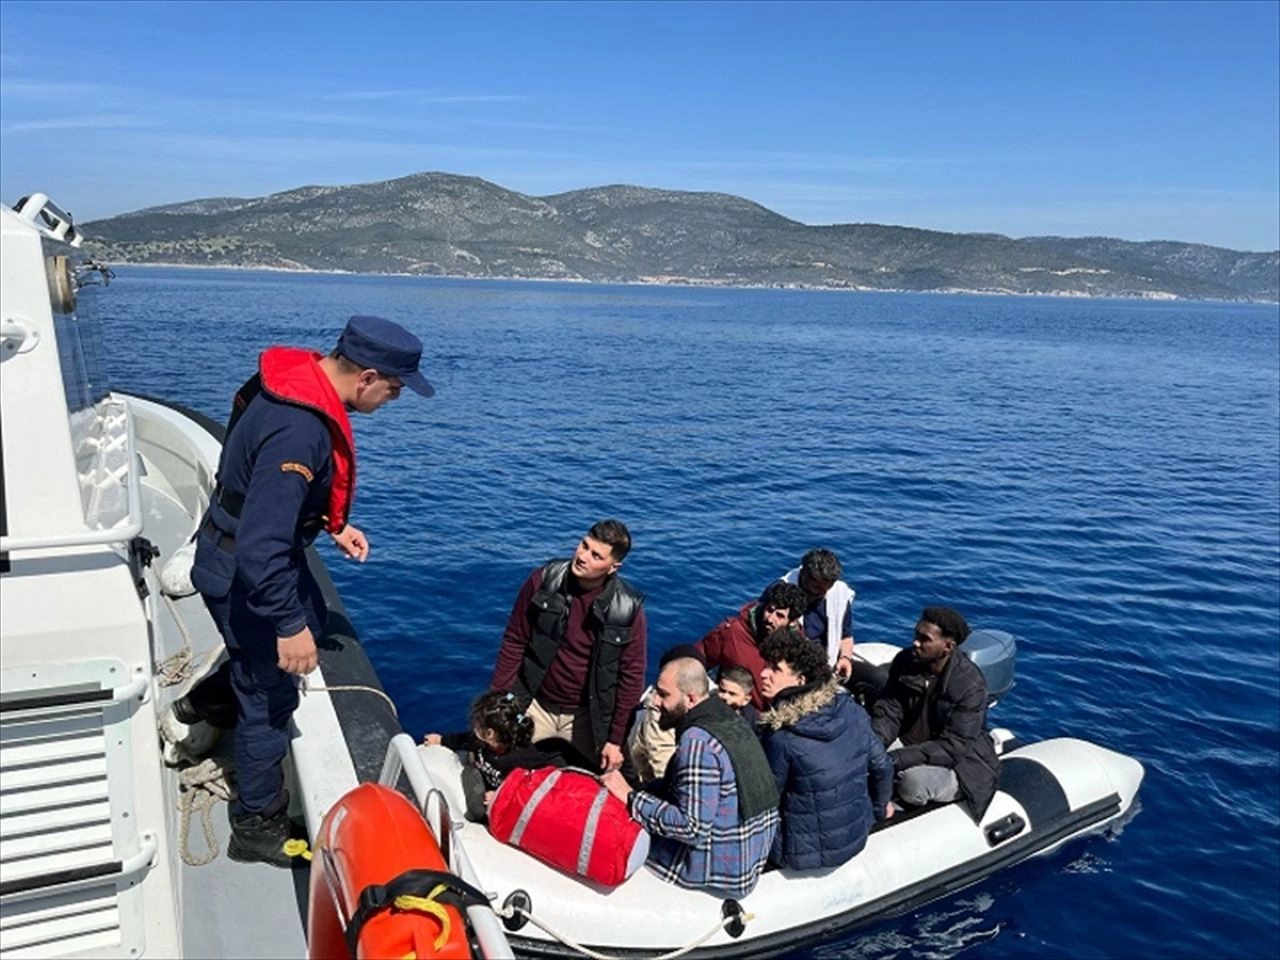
(715, 815)
(932, 718)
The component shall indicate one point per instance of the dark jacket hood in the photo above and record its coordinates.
(807, 710)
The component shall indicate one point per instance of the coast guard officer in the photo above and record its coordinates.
(287, 472)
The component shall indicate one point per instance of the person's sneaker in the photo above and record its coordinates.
(257, 839)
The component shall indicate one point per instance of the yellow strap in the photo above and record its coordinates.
(297, 848)
(428, 905)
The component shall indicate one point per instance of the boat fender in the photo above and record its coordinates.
(175, 575)
(429, 891)
(1005, 828)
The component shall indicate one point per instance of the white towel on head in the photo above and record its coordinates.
(838, 599)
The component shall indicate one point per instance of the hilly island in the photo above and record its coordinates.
(438, 224)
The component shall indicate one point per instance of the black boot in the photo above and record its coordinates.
(473, 789)
(211, 700)
(255, 838)
(220, 715)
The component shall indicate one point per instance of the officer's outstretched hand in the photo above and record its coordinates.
(352, 542)
(297, 653)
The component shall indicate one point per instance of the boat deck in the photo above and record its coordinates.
(268, 904)
(229, 909)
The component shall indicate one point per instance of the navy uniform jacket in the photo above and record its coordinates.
(280, 457)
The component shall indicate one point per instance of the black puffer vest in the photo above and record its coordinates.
(612, 614)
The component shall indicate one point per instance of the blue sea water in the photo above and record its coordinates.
(1100, 478)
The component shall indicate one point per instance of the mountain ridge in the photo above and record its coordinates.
(442, 224)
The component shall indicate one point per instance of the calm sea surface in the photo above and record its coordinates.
(1100, 478)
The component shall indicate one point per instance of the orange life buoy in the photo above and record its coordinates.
(371, 837)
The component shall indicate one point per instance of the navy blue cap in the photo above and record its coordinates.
(378, 344)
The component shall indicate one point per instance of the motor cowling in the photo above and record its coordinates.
(994, 652)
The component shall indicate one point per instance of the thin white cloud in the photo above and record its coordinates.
(319, 119)
(476, 98)
(547, 127)
(426, 96)
(108, 121)
(379, 94)
(418, 156)
(40, 90)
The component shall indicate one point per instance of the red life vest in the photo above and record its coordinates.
(294, 376)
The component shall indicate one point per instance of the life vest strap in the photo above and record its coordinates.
(377, 897)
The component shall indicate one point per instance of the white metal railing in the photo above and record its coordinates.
(122, 532)
(54, 221)
(98, 699)
(123, 870)
(402, 755)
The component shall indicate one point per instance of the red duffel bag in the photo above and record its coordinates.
(569, 821)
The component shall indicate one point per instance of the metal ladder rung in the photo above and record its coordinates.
(51, 729)
(55, 841)
(53, 909)
(105, 933)
(37, 821)
(28, 801)
(54, 772)
(30, 751)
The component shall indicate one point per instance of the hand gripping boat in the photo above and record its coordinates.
(1050, 792)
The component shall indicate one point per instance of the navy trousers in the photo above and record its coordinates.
(265, 698)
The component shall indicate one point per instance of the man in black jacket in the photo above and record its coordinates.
(932, 716)
(573, 652)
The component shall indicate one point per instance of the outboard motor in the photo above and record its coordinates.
(993, 652)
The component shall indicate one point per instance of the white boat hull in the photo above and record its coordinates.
(1057, 790)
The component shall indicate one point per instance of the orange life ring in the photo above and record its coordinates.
(369, 838)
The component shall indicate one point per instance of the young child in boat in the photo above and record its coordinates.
(734, 686)
(498, 742)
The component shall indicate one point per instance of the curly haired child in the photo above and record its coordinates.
(498, 742)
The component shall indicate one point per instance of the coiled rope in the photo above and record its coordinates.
(510, 911)
(200, 787)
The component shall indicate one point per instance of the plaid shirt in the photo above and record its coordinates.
(697, 840)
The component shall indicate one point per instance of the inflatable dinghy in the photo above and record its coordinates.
(1051, 792)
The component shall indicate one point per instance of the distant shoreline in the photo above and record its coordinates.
(692, 283)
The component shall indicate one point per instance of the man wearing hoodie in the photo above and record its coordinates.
(834, 775)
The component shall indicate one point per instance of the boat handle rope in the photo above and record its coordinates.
(179, 667)
(304, 688)
(514, 908)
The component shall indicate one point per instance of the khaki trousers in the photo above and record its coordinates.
(574, 727)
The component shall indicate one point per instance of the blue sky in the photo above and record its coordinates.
(1134, 120)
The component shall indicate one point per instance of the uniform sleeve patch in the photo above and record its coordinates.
(292, 466)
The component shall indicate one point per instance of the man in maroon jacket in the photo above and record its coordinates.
(573, 651)
(736, 641)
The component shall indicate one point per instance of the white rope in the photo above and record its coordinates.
(304, 688)
(180, 667)
(200, 787)
(509, 911)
